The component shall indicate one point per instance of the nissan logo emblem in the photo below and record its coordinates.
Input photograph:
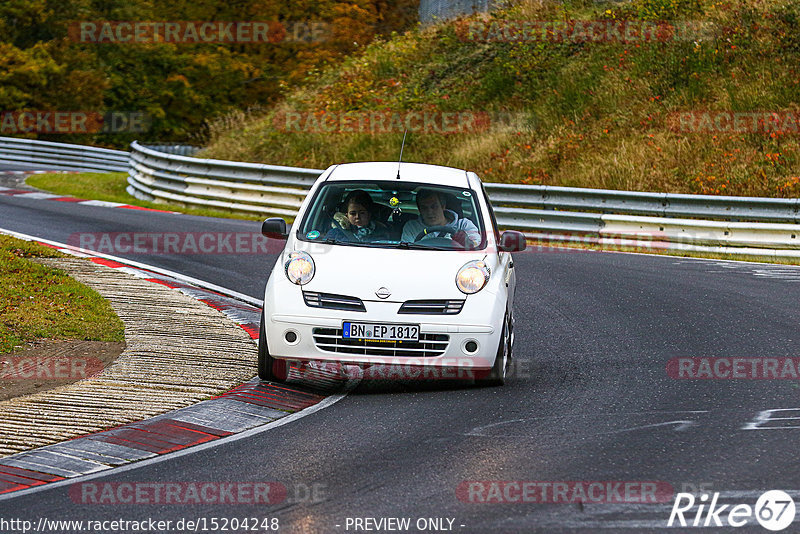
(383, 293)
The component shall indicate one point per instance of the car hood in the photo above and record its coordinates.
(407, 274)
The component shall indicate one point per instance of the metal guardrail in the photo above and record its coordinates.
(180, 150)
(522, 205)
(766, 239)
(651, 204)
(663, 220)
(248, 187)
(61, 156)
(431, 11)
(541, 212)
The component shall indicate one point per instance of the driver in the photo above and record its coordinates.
(433, 213)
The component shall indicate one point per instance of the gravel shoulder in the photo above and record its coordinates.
(178, 352)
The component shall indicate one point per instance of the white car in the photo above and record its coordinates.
(397, 265)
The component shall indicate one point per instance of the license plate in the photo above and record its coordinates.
(380, 331)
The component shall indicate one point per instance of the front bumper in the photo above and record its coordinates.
(460, 340)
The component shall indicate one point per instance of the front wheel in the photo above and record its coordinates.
(497, 374)
(269, 368)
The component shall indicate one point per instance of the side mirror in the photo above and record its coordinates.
(275, 228)
(512, 241)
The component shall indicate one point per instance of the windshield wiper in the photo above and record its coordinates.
(334, 241)
(416, 246)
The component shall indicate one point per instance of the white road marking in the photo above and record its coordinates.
(765, 416)
(102, 203)
(480, 431)
(682, 425)
(785, 273)
(38, 196)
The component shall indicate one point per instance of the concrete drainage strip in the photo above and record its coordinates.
(188, 351)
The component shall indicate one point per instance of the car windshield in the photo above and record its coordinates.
(394, 215)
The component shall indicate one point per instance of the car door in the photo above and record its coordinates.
(504, 259)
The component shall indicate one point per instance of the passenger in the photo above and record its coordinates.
(433, 213)
(358, 222)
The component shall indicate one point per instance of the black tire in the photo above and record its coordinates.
(497, 374)
(269, 368)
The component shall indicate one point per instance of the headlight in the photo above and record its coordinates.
(299, 268)
(472, 277)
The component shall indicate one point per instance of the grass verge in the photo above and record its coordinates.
(562, 110)
(111, 187)
(40, 302)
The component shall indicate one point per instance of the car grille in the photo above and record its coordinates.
(429, 345)
(434, 307)
(333, 302)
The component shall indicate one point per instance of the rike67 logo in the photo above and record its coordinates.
(774, 510)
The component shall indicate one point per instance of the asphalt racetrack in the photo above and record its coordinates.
(590, 401)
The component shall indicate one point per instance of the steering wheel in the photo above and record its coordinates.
(443, 241)
(448, 228)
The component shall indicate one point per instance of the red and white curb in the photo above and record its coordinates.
(41, 172)
(248, 409)
(40, 195)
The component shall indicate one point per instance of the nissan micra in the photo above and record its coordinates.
(392, 264)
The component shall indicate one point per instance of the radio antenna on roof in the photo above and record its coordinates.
(401, 153)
